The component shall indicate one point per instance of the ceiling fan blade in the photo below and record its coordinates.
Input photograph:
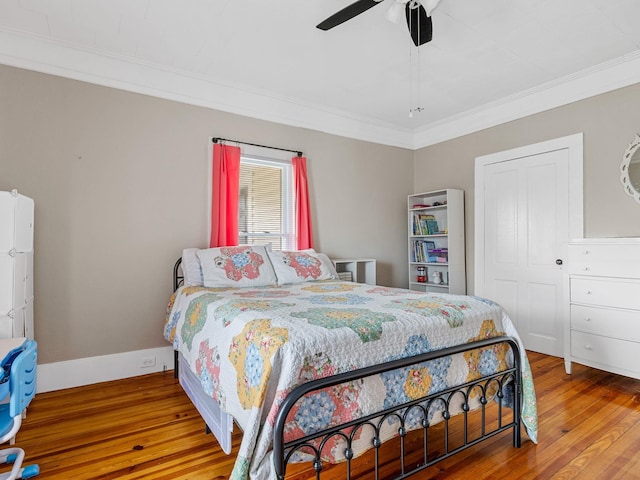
(347, 13)
(419, 24)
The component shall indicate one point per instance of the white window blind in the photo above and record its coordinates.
(266, 203)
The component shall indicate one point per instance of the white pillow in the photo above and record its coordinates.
(240, 266)
(300, 266)
(191, 268)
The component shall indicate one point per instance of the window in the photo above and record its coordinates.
(266, 203)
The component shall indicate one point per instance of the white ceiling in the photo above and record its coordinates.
(490, 60)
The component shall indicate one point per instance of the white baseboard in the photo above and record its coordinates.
(105, 368)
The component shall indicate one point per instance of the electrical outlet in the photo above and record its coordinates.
(146, 362)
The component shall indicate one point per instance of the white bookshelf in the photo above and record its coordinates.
(363, 270)
(428, 243)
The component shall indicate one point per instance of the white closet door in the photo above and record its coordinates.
(525, 203)
(528, 205)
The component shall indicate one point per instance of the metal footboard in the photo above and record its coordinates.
(283, 451)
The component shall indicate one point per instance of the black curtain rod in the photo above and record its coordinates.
(218, 139)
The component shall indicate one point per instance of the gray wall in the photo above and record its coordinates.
(119, 181)
(609, 123)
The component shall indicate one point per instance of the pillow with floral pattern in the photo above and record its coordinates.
(300, 266)
(239, 266)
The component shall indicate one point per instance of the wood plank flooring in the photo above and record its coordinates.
(146, 428)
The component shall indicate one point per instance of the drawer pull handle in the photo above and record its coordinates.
(588, 319)
(588, 347)
(586, 252)
(588, 292)
(586, 269)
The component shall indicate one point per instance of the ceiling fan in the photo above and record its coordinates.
(418, 17)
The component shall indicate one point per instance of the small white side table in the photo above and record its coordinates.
(363, 270)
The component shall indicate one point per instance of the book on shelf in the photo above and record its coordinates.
(424, 224)
(439, 255)
(423, 251)
(346, 276)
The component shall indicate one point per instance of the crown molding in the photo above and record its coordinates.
(602, 78)
(41, 54)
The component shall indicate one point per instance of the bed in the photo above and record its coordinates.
(314, 369)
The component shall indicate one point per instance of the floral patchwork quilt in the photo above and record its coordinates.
(251, 346)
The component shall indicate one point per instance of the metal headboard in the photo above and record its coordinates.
(178, 280)
(178, 275)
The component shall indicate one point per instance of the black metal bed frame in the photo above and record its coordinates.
(178, 280)
(283, 451)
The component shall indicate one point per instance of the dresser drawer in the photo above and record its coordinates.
(622, 324)
(605, 292)
(621, 260)
(603, 352)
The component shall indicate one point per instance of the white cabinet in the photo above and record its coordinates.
(16, 265)
(604, 305)
(436, 241)
(360, 270)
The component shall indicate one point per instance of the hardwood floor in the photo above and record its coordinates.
(147, 428)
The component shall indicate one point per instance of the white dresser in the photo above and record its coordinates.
(16, 265)
(604, 303)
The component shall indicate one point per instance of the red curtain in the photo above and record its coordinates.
(225, 186)
(304, 235)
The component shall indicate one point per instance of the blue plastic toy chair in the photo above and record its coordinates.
(18, 381)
